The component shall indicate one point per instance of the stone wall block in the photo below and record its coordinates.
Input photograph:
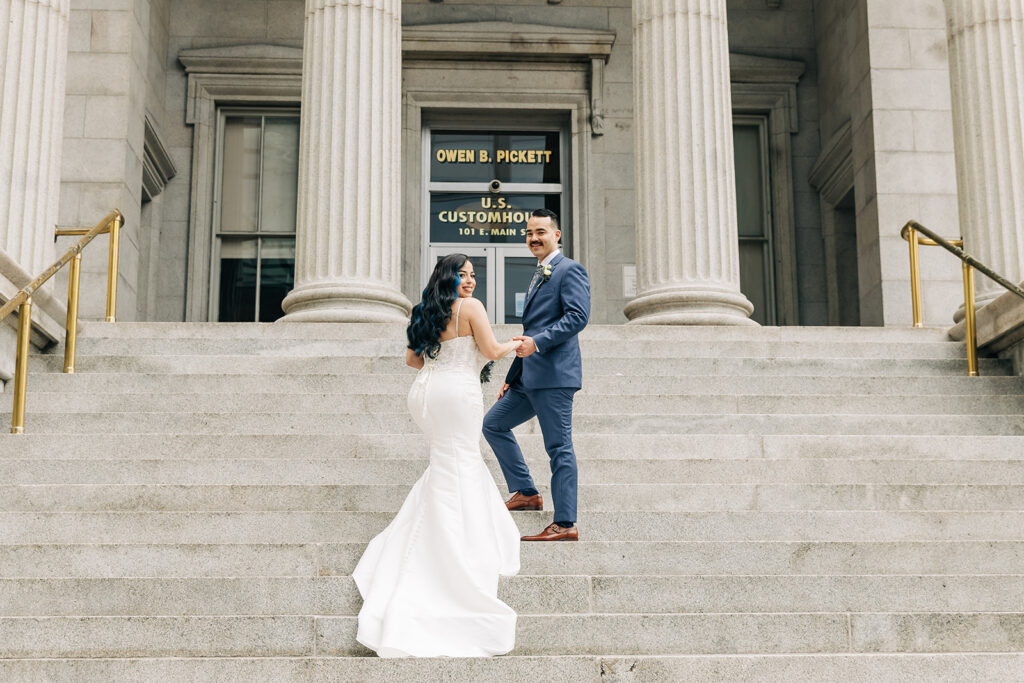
(928, 49)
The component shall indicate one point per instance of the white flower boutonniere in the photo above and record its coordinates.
(546, 273)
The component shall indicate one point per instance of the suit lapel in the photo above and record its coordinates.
(532, 295)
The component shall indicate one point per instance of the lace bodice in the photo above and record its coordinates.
(457, 353)
(460, 353)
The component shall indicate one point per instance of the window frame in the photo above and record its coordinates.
(216, 234)
(763, 86)
(241, 75)
(760, 122)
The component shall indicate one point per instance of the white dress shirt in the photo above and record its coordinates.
(549, 257)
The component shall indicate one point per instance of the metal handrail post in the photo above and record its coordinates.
(970, 264)
(22, 302)
(71, 334)
(953, 247)
(21, 367)
(915, 278)
(970, 321)
(115, 234)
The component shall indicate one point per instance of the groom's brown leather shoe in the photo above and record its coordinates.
(520, 502)
(555, 533)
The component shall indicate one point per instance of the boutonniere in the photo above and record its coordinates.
(546, 273)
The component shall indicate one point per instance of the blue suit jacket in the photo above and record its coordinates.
(554, 314)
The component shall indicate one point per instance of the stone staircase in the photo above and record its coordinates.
(756, 504)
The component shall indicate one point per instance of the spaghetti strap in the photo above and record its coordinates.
(457, 309)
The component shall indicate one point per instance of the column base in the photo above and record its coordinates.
(345, 302)
(690, 306)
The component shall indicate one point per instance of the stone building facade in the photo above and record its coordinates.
(713, 161)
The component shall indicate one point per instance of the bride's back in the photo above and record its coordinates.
(458, 347)
(458, 326)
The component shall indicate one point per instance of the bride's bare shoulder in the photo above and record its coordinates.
(470, 304)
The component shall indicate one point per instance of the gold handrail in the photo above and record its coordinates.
(22, 301)
(970, 264)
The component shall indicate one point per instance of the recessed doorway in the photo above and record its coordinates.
(481, 187)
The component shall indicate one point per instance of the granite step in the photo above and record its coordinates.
(527, 595)
(589, 557)
(545, 635)
(328, 331)
(591, 348)
(348, 527)
(285, 422)
(629, 365)
(397, 385)
(592, 497)
(741, 633)
(588, 446)
(340, 405)
(847, 667)
(347, 471)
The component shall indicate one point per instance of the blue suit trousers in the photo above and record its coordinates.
(553, 408)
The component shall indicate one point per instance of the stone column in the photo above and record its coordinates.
(348, 257)
(986, 72)
(687, 242)
(33, 64)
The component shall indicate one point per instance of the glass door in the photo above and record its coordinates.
(516, 272)
(502, 278)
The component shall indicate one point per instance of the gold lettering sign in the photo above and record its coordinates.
(501, 156)
(495, 216)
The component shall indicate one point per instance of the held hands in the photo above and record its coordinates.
(527, 348)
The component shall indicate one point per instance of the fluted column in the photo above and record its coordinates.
(33, 64)
(986, 68)
(687, 241)
(347, 261)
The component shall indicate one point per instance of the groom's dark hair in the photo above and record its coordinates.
(547, 213)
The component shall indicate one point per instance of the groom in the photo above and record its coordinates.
(545, 375)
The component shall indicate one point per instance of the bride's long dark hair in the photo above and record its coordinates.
(431, 315)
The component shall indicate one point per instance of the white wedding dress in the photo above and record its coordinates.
(429, 581)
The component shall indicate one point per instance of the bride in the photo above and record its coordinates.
(429, 581)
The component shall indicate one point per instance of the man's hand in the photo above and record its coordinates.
(504, 388)
(527, 348)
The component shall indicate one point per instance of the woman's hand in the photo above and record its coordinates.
(526, 346)
(510, 346)
(490, 347)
